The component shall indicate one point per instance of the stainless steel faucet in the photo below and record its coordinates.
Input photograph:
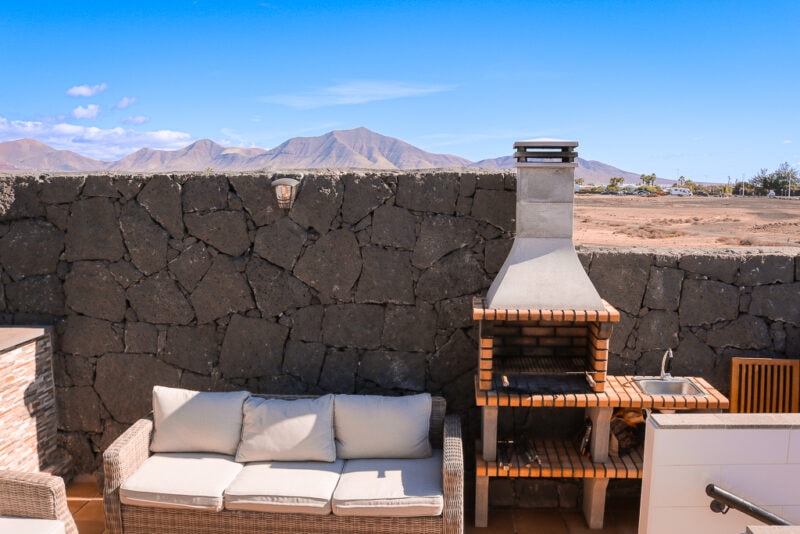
(667, 356)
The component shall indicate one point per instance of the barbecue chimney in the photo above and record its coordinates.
(542, 270)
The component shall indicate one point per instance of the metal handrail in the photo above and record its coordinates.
(723, 500)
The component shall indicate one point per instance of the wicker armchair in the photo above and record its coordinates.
(128, 452)
(35, 496)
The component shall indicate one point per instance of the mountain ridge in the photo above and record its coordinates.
(356, 148)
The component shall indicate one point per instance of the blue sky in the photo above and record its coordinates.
(705, 89)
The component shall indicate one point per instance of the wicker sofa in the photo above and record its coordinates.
(130, 454)
(33, 503)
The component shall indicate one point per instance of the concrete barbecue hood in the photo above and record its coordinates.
(542, 270)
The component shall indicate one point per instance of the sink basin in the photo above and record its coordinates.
(653, 385)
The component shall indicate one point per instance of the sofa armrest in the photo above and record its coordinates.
(453, 476)
(120, 460)
(35, 495)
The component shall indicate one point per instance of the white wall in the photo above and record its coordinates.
(754, 456)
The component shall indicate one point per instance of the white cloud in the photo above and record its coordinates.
(355, 92)
(88, 112)
(86, 90)
(787, 142)
(125, 102)
(104, 144)
(136, 119)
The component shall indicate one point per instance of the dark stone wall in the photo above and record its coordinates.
(365, 285)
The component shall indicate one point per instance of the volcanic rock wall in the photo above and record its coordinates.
(365, 285)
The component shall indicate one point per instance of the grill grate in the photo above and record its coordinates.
(545, 365)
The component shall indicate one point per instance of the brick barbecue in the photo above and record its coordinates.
(543, 326)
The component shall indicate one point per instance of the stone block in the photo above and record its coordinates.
(455, 358)
(226, 231)
(409, 328)
(663, 289)
(195, 348)
(454, 313)
(191, 265)
(79, 370)
(161, 197)
(386, 277)
(353, 325)
(306, 323)
(428, 192)
(621, 278)
(497, 208)
(36, 295)
(621, 333)
(19, 198)
(252, 348)
(280, 243)
(205, 193)
(457, 274)
(362, 194)
(495, 254)
(125, 384)
(92, 290)
(79, 409)
(276, 291)
(331, 265)
(490, 181)
(222, 291)
(705, 302)
(31, 247)
(257, 197)
(693, 357)
(317, 203)
(304, 360)
(90, 337)
(780, 302)
(145, 240)
(141, 338)
(99, 186)
(394, 227)
(93, 231)
(723, 267)
(746, 332)
(157, 299)
(394, 370)
(61, 189)
(125, 273)
(439, 235)
(658, 329)
(339, 371)
(766, 269)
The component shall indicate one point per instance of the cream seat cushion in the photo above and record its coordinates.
(374, 426)
(24, 525)
(194, 421)
(391, 488)
(292, 487)
(181, 480)
(287, 430)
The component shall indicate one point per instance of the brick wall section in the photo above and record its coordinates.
(27, 406)
(364, 286)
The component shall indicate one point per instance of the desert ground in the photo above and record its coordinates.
(686, 222)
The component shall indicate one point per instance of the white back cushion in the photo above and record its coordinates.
(287, 430)
(193, 421)
(371, 426)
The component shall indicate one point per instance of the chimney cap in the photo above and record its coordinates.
(545, 142)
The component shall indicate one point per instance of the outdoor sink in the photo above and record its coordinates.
(653, 385)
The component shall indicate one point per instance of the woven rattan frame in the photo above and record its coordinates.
(128, 452)
(36, 496)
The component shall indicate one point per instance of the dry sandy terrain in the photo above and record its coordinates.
(686, 222)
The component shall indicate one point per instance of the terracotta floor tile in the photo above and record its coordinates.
(90, 518)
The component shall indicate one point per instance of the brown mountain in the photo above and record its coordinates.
(357, 148)
(31, 155)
